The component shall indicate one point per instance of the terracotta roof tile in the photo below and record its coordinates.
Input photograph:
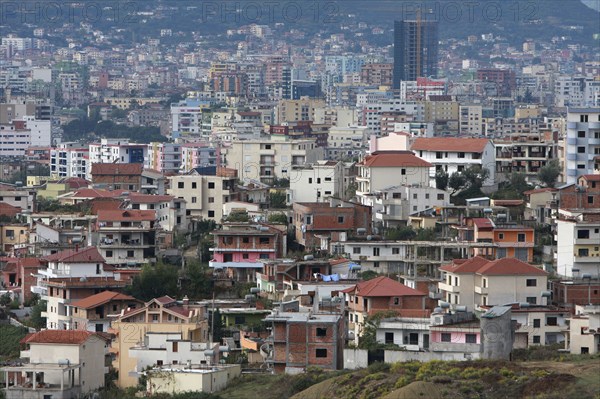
(454, 144)
(70, 337)
(99, 169)
(383, 287)
(84, 255)
(108, 215)
(96, 193)
(511, 266)
(465, 266)
(8, 209)
(483, 223)
(394, 159)
(100, 299)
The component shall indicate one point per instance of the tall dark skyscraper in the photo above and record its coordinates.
(415, 50)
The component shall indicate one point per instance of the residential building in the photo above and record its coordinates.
(304, 339)
(381, 294)
(539, 325)
(190, 117)
(22, 198)
(302, 109)
(316, 182)
(576, 291)
(377, 74)
(127, 237)
(279, 274)
(584, 331)
(470, 120)
(503, 79)
(13, 238)
(117, 151)
(578, 238)
(93, 312)
(348, 140)
(179, 379)
(391, 168)
(334, 219)
(170, 211)
(205, 191)
(164, 158)
(456, 154)
(582, 142)
(69, 160)
(194, 155)
(159, 315)
(62, 364)
(479, 282)
(15, 138)
(240, 249)
(18, 277)
(69, 276)
(266, 160)
(415, 50)
(117, 176)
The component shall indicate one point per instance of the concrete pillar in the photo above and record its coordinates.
(34, 380)
(62, 381)
(6, 378)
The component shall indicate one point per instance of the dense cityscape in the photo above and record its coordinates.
(330, 199)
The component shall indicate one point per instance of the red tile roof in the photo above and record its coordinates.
(100, 299)
(69, 337)
(511, 266)
(165, 299)
(540, 190)
(394, 159)
(99, 169)
(383, 287)
(96, 193)
(483, 223)
(25, 262)
(591, 177)
(84, 255)
(108, 215)
(8, 209)
(453, 144)
(148, 198)
(508, 202)
(465, 266)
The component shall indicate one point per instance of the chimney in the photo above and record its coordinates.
(186, 302)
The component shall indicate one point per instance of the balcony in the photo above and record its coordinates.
(481, 290)
(454, 347)
(586, 259)
(448, 288)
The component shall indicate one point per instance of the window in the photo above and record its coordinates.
(471, 338)
(264, 256)
(240, 320)
(426, 196)
(581, 134)
(396, 301)
(310, 180)
(246, 240)
(320, 352)
(376, 264)
(403, 172)
(130, 254)
(583, 234)
(590, 199)
(438, 155)
(532, 282)
(440, 197)
(583, 118)
(395, 251)
(389, 337)
(109, 254)
(98, 268)
(194, 185)
(376, 251)
(501, 236)
(583, 252)
(461, 154)
(484, 283)
(531, 300)
(446, 337)
(211, 184)
(521, 237)
(536, 339)
(180, 184)
(551, 321)
(356, 250)
(193, 200)
(244, 256)
(536, 323)
(175, 346)
(211, 200)
(211, 214)
(263, 240)
(321, 332)
(159, 362)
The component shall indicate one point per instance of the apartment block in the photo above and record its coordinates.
(164, 158)
(470, 120)
(117, 151)
(582, 151)
(69, 160)
(316, 182)
(93, 313)
(578, 242)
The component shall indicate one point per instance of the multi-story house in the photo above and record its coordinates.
(539, 325)
(190, 117)
(346, 142)
(316, 182)
(62, 364)
(297, 110)
(578, 238)
(266, 160)
(18, 276)
(117, 176)
(240, 249)
(303, 339)
(117, 151)
(456, 154)
(390, 168)
(69, 160)
(170, 211)
(479, 282)
(194, 155)
(584, 330)
(205, 191)
(279, 274)
(13, 238)
(470, 120)
(93, 312)
(69, 276)
(582, 142)
(127, 237)
(23, 199)
(159, 315)
(333, 219)
(164, 157)
(382, 294)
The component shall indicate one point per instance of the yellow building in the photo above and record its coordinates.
(160, 315)
(12, 235)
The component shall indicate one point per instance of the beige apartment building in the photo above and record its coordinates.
(297, 110)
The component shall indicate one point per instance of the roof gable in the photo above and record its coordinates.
(384, 287)
(84, 255)
(451, 144)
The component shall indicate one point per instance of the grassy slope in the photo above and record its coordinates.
(575, 378)
(9, 341)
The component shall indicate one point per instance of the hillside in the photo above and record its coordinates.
(576, 378)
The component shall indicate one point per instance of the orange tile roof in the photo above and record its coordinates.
(96, 193)
(483, 223)
(108, 215)
(511, 266)
(8, 209)
(148, 198)
(99, 169)
(25, 262)
(540, 190)
(465, 266)
(383, 287)
(69, 337)
(591, 177)
(394, 159)
(84, 255)
(100, 299)
(453, 144)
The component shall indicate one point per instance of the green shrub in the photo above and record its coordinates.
(378, 367)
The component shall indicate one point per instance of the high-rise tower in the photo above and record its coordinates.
(415, 49)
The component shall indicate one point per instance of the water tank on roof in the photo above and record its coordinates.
(63, 362)
(309, 257)
(254, 290)
(461, 309)
(209, 352)
(361, 230)
(546, 294)
(249, 297)
(438, 310)
(445, 305)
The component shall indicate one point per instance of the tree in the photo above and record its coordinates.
(36, 320)
(155, 281)
(5, 300)
(548, 174)
(351, 190)
(277, 200)
(441, 179)
(401, 233)
(216, 326)
(238, 217)
(519, 183)
(278, 218)
(368, 275)
(196, 281)
(456, 181)
(368, 338)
